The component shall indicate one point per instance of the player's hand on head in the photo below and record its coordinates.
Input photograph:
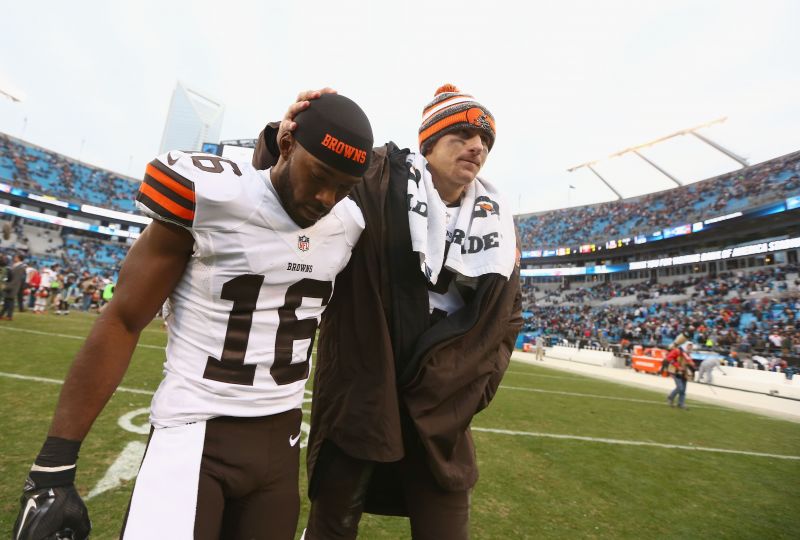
(51, 513)
(307, 95)
(301, 103)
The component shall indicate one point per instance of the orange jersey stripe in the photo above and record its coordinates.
(168, 182)
(165, 202)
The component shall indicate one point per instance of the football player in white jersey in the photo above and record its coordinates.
(248, 260)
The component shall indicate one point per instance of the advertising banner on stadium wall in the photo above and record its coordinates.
(69, 223)
(706, 256)
(670, 232)
(85, 208)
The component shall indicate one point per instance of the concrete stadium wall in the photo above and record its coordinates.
(667, 298)
(754, 380)
(751, 380)
(585, 356)
(621, 301)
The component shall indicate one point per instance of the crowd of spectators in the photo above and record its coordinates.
(768, 280)
(54, 289)
(44, 172)
(723, 312)
(93, 254)
(746, 188)
(606, 291)
(70, 253)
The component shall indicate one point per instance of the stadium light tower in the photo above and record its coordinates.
(635, 150)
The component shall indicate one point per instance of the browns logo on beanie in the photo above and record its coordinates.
(336, 131)
(451, 110)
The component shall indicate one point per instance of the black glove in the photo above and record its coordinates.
(50, 507)
(51, 513)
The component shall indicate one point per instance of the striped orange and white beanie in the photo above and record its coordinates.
(450, 110)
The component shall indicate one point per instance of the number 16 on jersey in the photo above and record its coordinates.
(243, 291)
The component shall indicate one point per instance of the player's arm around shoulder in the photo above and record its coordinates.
(153, 267)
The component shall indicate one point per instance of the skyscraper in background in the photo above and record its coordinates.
(192, 120)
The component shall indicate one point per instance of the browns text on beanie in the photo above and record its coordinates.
(336, 131)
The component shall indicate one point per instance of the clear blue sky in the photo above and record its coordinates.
(567, 81)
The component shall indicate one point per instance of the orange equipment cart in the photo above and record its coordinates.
(648, 360)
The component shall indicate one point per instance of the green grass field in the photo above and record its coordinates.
(533, 485)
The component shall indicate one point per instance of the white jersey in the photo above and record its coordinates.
(246, 310)
(47, 278)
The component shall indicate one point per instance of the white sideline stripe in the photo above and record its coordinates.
(57, 381)
(632, 443)
(576, 377)
(597, 396)
(68, 336)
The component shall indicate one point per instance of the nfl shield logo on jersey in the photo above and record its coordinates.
(303, 243)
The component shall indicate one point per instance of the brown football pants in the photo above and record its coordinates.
(246, 482)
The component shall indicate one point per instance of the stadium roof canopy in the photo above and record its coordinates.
(680, 158)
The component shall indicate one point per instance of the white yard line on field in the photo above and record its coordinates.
(59, 381)
(161, 331)
(597, 396)
(119, 388)
(631, 443)
(68, 336)
(512, 372)
(488, 430)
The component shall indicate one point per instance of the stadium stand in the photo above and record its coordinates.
(751, 312)
(770, 280)
(49, 173)
(94, 256)
(741, 306)
(48, 246)
(772, 180)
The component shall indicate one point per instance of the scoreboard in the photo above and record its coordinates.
(234, 149)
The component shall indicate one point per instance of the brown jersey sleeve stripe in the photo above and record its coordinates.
(181, 186)
(164, 206)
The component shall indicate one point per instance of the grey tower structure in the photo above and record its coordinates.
(192, 120)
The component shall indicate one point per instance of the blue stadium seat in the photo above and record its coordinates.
(50, 173)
